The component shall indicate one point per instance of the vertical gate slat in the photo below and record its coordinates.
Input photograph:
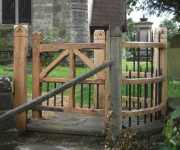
(72, 75)
(36, 69)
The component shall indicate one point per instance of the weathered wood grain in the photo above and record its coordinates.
(54, 47)
(38, 100)
(20, 76)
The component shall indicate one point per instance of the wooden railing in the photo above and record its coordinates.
(41, 76)
(145, 82)
(36, 102)
(142, 94)
(144, 45)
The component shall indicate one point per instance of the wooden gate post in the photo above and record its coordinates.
(99, 58)
(36, 70)
(163, 64)
(72, 75)
(114, 118)
(156, 51)
(20, 88)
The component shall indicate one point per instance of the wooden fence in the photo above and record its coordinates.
(138, 95)
(40, 75)
(42, 80)
(145, 82)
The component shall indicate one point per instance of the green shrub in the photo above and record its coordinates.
(171, 133)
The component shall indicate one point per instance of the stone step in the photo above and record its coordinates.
(42, 141)
(8, 124)
(10, 146)
(8, 136)
(42, 147)
(71, 124)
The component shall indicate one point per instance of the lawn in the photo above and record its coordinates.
(7, 70)
(62, 71)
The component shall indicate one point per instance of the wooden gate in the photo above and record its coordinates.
(79, 98)
(135, 98)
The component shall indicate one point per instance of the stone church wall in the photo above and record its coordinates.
(66, 19)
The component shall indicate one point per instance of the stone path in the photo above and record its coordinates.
(70, 123)
(43, 134)
(51, 147)
(42, 147)
(42, 141)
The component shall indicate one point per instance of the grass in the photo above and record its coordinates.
(174, 89)
(62, 71)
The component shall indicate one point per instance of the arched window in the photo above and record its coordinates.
(16, 11)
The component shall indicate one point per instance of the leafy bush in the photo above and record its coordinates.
(130, 139)
(172, 132)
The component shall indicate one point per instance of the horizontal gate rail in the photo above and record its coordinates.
(55, 47)
(143, 80)
(63, 80)
(37, 101)
(144, 45)
(89, 111)
(143, 111)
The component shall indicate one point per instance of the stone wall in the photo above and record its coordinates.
(62, 20)
(79, 20)
(67, 19)
(42, 15)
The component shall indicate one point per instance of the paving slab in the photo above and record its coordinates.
(70, 123)
(43, 147)
(42, 141)
(50, 147)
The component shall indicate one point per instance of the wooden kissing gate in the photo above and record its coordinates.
(106, 78)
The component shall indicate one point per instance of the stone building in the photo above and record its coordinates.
(144, 34)
(107, 13)
(65, 18)
(144, 30)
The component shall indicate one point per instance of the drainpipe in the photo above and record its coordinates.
(0, 11)
(17, 11)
